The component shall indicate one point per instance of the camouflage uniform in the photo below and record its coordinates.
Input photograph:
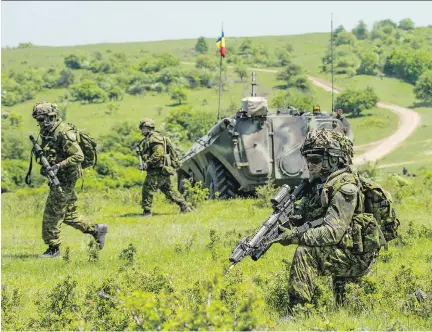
(152, 151)
(334, 196)
(62, 148)
(322, 251)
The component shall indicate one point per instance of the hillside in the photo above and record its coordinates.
(170, 272)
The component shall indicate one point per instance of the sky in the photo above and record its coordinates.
(68, 23)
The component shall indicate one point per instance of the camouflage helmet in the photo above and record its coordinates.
(147, 122)
(44, 108)
(323, 140)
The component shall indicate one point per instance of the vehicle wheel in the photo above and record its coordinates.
(218, 179)
(181, 182)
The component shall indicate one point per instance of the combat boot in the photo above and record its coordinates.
(99, 234)
(51, 252)
(185, 208)
(147, 213)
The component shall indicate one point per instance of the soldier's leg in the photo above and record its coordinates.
(344, 267)
(173, 194)
(339, 284)
(304, 269)
(149, 188)
(55, 209)
(72, 218)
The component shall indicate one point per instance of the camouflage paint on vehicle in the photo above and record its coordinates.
(245, 150)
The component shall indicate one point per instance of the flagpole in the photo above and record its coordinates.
(220, 81)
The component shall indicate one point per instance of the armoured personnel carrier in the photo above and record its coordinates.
(246, 150)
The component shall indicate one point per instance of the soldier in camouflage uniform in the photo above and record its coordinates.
(334, 195)
(153, 150)
(63, 152)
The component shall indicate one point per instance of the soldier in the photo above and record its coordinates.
(153, 149)
(346, 127)
(63, 152)
(334, 195)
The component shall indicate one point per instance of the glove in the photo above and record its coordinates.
(285, 237)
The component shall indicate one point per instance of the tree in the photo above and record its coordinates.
(290, 71)
(369, 63)
(338, 30)
(89, 91)
(179, 94)
(112, 107)
(205, 61)
(355, 101)
(293, 98)
(73, 61)
(423, 87)
(201, 46)
(66, 78)
(246, 48)
(406, 24)
(360, 31)
(115, 93)
(345, 38)
(241, 70)
(283, 57)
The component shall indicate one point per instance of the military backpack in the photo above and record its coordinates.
(379, 202)
(88, 146)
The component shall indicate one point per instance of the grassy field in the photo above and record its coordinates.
(181, 255)
(189, 248)
(373, 125)
(308, 50)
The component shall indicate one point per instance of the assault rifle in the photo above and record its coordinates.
(142, 166)
(283, 208)
(53, 181)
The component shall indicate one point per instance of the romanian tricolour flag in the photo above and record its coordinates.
(220, 43)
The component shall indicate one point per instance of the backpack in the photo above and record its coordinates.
(378, 202)
(88, 146)
(171, 154)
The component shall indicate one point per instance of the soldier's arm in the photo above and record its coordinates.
(337, 219)
(72, 150)
(157, 154)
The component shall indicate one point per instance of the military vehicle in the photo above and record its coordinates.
(253, 146)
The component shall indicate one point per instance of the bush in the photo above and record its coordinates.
(355, 101)
(88, 91)
(423, 88)
(74, 62)
(195, 194)
(295, 98)
(201, 45)
(190, 124)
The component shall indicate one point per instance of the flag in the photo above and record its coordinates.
(220, 43)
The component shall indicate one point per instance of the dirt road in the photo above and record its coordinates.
(408, 122)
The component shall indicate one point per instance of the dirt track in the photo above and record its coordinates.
(408, 122)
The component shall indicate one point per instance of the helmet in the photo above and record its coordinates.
(44, 108)
(335, 148)
(147, 122)
(316, 109)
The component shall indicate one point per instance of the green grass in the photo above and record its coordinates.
(312, 45)
(156, 240)
(416, 151)
(94, 117)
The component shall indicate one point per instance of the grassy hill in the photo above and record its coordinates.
(180, 260)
